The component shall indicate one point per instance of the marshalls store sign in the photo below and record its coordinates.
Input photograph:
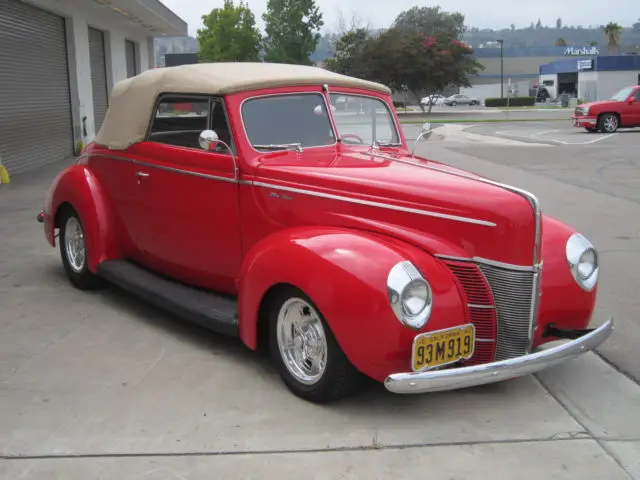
(582, 51)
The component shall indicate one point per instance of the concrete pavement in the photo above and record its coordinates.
(101, 385)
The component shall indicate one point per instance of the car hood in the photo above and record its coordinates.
(598, 103)
(419, 200)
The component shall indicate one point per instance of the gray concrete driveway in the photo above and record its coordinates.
(102, 385)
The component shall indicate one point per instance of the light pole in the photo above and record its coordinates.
(501, 42)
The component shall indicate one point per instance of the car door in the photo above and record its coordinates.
(633, 109)
(188, 197)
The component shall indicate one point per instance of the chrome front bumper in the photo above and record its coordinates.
(462, 377)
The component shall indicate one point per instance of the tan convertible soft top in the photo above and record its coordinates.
(132, 100)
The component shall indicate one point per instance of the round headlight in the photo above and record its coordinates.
(409, 295)
(583, 261)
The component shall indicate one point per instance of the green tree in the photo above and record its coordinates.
(229, 34)
(612, 31)
(561, 42)
(559, 23)
(419, 64)
(429, 20)
(292, 30)
(348, 58)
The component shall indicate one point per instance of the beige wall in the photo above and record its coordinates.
(514, 65)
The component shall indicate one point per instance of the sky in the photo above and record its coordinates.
(501, 14)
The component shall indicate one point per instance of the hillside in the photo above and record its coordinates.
(536, 35)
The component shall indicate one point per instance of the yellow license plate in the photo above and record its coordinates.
(442, 347)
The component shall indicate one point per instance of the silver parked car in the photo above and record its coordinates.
(460, 99)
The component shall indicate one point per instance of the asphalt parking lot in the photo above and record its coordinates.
(102, 385)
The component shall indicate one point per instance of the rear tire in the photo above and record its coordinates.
(608, 123)
(305, 352)
(453, 104)
(74, 253)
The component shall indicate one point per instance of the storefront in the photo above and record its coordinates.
(590, 78)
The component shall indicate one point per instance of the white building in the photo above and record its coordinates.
(59, 60)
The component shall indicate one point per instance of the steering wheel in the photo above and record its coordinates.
(354, 136)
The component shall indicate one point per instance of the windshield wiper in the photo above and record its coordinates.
(386, 144)
(281, 146)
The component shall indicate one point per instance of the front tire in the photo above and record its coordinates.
(305, 352)
(608, 123)
(74, 252)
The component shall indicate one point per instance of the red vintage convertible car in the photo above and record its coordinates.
(262, 212)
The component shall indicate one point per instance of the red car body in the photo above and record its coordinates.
(333, 221)
(622, 111)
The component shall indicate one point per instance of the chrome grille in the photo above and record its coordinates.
(513, 291)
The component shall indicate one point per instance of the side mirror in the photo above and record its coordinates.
(208, 140)
(424, 135)
(426, 130)
(633, 100)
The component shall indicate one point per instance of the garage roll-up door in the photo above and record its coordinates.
(130, 49)
(98, 75)
(35, 104)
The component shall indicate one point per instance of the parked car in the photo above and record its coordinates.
(460, 99)
(621, 111)
(432, 100)
(323, 239)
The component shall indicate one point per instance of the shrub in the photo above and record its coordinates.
(513, 102)
(399, 104)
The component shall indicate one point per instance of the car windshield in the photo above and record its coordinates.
(279, 122)
(622, 95)
(364, 120)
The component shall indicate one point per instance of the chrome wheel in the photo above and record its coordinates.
(610, 123)
(302, 342)
(74, 244)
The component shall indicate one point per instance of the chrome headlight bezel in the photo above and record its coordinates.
(581, 254)
(403, 276)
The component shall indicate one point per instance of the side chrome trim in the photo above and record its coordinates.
(375, 204)
(494, 263)
(487, 340)
(487, 307)
(463, 377)
(165, 168)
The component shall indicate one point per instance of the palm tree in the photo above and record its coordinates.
(612, 31)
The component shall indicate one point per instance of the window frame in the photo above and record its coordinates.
(210, 99)
(287, 94)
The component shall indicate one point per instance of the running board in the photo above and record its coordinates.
(213, 311)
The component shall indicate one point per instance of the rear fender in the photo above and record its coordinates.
(78, 188)
(344, 272)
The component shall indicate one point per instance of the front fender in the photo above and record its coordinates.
(562, 301)
(78, 187)
(344, 272)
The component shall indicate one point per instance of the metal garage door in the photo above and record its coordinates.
(130, 49)
(35, 105)
(98, 75)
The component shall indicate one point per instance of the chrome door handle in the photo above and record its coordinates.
(142, 174)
